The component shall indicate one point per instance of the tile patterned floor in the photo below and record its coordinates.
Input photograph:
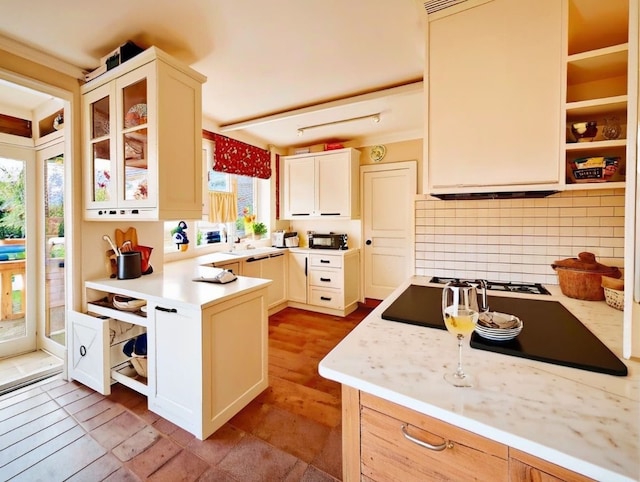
(63, 430)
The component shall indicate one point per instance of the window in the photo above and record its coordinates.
(204, 233)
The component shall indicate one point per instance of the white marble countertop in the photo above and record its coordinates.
(175, 283)
(584, 421)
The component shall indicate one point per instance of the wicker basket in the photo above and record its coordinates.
(140, 364)
(614, 298)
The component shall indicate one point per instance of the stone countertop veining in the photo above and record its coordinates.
(587, 422)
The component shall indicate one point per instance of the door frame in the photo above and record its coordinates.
(412, 166)
(73, 205)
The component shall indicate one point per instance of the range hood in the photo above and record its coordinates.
(471, 196)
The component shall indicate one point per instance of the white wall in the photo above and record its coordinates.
(517, 240)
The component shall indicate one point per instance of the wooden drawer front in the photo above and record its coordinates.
(524, 467)
(325, 260)
(328, 297)
(326, 279)
(387, 455)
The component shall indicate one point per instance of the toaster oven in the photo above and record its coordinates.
(327, 241)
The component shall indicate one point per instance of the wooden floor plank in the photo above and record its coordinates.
(27, 416)
(40, 464)
(30, 428)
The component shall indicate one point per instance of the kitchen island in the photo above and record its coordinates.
(206, 344)
(579, 420)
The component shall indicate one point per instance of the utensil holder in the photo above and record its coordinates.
(129, 265)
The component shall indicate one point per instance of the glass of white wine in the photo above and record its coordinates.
(460, 312)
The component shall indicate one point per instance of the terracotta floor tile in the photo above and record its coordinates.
(117, 430)
(136, 444)
(122, 475)
(329, 459)
(297, 472)
(218, 445)
(184, 467)
(295, 434)
(154, 457)
(255, 460)
(250, 416)
(99, 414)
(182, 437)
(164, 426)
(126, 397)
(215, 474)
(312, 474)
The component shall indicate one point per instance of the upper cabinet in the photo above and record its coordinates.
(494, 80)
(597, 88)
(322, 185)
(142, 135)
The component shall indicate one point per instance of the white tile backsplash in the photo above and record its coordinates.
(516, 239)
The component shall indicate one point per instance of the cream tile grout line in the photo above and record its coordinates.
(517, 239)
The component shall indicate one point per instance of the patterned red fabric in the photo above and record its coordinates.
(236, 157)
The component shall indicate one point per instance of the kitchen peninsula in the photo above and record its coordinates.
(206, 349)
(522, 418)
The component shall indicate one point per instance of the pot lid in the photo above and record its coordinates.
(585, 262)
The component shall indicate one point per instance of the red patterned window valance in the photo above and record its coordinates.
(236, 157)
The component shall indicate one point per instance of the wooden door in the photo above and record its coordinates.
(388, 192)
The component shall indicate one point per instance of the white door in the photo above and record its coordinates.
(388, 192)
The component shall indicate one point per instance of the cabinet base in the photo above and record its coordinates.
(327, 311)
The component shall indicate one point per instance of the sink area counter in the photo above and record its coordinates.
(586, 422)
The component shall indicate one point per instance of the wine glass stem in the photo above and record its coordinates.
(460, 372)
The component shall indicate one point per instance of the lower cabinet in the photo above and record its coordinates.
(384, 441)
(202, 365)
(209, 364)
(272, 267)
(325, 281)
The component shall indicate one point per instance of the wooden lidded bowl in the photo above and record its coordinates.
(581, 277)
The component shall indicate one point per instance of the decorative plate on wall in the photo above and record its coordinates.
(377, 153)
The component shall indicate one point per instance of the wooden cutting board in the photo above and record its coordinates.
(128, 235)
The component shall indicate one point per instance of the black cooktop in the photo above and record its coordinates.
(551, 333)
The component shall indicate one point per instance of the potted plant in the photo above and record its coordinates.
(259, 230)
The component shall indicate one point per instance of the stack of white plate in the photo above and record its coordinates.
(498, 326)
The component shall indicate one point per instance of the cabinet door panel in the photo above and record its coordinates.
(333, 185)
(495, 95)
(299, 195)
(88, 348)
(177, 367)
(274, 268)
(297, 279)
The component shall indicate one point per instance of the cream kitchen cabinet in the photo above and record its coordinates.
(142, 135)
(297, 278)
(322, 185)
(331, 280)
(96, 356)
(272, 266)
(206, 360)
(494, 87)
(208, 364)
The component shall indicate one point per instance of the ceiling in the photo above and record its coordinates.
(272, 67)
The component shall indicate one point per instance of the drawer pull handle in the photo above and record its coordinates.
(83, 350)
(325, 298)
(447, 444)
(325, 279)
(326, 261)
(166, 310)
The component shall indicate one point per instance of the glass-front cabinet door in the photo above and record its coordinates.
(136, 137)
(122, 139)
(99, 108)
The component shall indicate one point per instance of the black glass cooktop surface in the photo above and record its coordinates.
(551, 333)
